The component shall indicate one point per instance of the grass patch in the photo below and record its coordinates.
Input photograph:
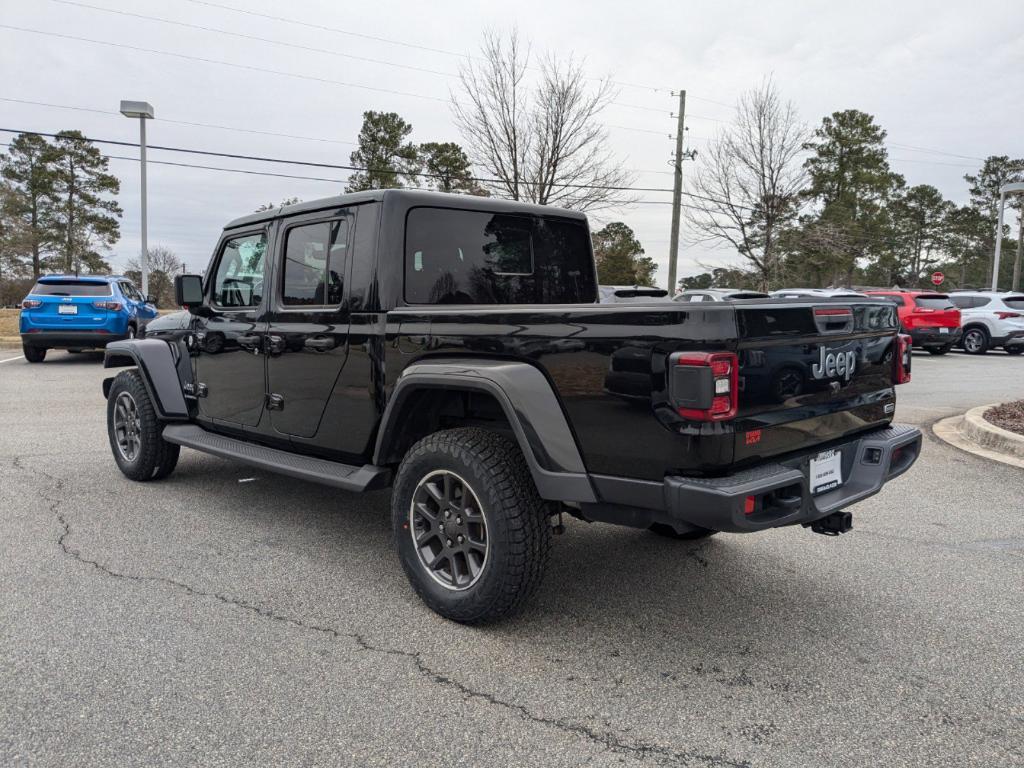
(9, 322)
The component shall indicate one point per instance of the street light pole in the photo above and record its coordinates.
(143, 111)
(1006, 189)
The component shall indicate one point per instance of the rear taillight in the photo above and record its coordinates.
(704, 385)
(1008, 315)
(31, 304)
(113, 306)
(901, 360)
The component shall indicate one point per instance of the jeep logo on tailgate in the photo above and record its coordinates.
(832, 364)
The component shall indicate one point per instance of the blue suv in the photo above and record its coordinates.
(72, 312)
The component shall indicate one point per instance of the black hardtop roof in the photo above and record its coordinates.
(409, 198)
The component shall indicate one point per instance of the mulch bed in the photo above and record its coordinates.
(1008, 416)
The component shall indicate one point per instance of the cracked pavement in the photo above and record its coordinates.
(204, 620)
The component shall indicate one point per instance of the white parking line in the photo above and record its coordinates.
(19, 357)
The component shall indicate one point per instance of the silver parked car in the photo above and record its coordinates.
(718, 294)
(991, 319)
(817, 293)
(628, 294)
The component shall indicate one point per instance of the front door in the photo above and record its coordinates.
(228, 344)
(308, 321)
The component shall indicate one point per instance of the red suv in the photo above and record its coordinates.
(931, 319)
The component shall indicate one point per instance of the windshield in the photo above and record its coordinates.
(71, 288)
(936, 301)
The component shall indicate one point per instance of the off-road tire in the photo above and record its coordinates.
(155, 458)
(518, 529)
(670, 533)
(33, 354)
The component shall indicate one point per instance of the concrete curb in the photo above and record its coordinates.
(970, 432)
(988, 435)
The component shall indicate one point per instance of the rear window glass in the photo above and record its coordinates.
(71, 288)
(1014, 302)
(474, 257)
(970, 302)
(933, 302)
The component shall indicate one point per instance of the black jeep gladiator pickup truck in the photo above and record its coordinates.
(452, 348)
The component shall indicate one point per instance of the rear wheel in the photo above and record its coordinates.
(135, 432)
(670, 533)
(975, 341)
(33, 354)
(470, 528)
(131, 331)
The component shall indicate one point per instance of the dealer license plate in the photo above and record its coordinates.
(826, 471)
(67, 309)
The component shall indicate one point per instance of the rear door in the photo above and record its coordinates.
(812, 373)
(307, 337)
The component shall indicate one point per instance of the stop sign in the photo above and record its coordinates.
(937, 278)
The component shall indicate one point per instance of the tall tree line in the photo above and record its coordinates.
(58, 207)
(824, 207)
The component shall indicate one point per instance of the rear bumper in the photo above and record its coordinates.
(934, 337)
(780, 489)
(1013, 339)
(70, 339)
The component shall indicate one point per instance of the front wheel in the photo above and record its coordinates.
(136, 435)
(471, 531)
(1013, 350)
(975, 341)
(33, 354)
(939, 350)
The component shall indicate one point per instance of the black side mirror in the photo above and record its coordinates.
(188, 292)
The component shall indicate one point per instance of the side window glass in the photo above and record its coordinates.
(314, 264)
(238, 283)
(131, 291)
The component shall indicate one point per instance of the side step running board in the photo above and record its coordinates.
(365, 478)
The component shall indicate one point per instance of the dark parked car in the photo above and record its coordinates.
(453, 349)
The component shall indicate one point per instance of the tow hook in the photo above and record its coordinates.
(834, 524)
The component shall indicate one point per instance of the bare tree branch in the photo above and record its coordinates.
(746, 188)
(543, 143)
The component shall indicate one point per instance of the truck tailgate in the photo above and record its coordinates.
(811, 374)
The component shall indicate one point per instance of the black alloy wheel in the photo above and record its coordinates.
(449, 530)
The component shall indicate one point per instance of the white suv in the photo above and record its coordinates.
(991, 319)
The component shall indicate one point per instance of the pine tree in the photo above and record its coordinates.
(86, 218)
(446, 168)
(851, 183)
(620, 257)
(30, 169)
(389, 159)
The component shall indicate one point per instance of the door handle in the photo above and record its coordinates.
(275, 345)
(320, 343)
(249, 341)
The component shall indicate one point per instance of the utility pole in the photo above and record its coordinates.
(677, 196)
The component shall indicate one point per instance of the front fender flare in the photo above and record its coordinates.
(530, 405)
(156, 363)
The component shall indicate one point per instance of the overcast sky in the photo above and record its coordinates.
(947, 77)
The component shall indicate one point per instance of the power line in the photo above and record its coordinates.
(326, 51)
(263, 70)
(334, 166)
(184, 122)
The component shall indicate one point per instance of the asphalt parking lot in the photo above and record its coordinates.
(225, 616)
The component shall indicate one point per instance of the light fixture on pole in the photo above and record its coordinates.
(143, 111)
(1006, 189)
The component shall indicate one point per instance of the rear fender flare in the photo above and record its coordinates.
(530, 405)
(157, 365)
